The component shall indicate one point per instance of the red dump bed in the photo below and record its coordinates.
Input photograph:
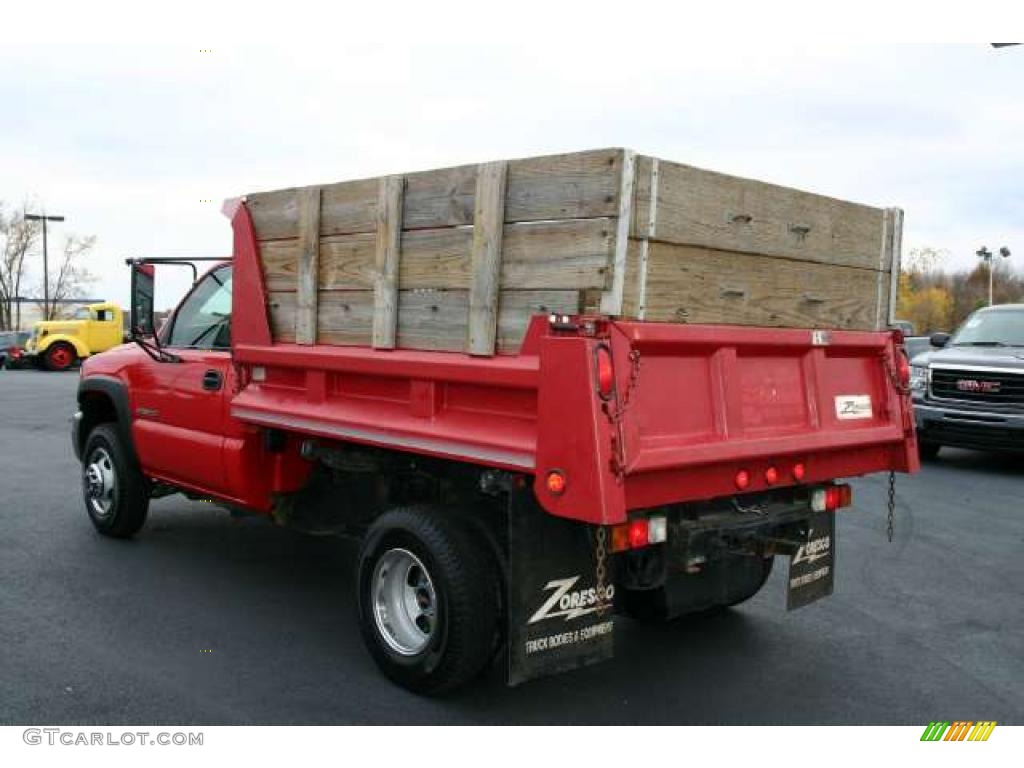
(692, 412)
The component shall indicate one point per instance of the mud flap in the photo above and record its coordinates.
(556, 619)
(812, 568)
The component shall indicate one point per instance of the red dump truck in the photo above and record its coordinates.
(509, 502)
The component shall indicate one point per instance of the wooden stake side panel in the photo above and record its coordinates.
(713, 210)
(564, 254)
(692, 284)
(458, 259)
(427, 319)
(468, 234)
(580, 185)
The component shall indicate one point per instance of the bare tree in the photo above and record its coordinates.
(17, 238)
(71, 278)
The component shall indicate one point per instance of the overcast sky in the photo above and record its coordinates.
(128, 141)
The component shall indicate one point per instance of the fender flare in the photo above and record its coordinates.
(115, 390)
(49, 340)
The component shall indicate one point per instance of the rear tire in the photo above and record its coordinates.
(115, 491)
(60, 356)
(427, 606)
(927, 451)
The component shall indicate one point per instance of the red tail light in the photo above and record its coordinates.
(605, 372)
(639, 533)
(903, 368)
(831, 498)
(771, 475)
(742, 479)
(799, 471)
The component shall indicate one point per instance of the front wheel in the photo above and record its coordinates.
(427, 599)
(927, 450)
(60, 356)
(115, 491)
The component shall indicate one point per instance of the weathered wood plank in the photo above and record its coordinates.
(388, 248)
(612, 301)
(895, 263)
(428, 319)
(485, 274)
(631, 289)
(698, 207)
(517, 307)
(647, 232)
(570, 186)
(642, 178)
(881, 277)
(584, 248)
(575, 253)
(436, 320)
(344, 317)
(700, 285)
(308, 268)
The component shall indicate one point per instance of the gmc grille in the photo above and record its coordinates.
(1002, 388)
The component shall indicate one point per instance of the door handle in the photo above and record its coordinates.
(212, 380)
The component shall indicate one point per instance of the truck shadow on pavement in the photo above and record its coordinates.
(277, 608)
(243, 578)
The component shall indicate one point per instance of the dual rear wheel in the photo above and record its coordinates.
(429, 599)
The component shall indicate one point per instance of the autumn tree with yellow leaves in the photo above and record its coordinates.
(935, 300)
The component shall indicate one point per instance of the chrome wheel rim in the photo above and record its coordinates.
(100, 483)
(404, 602)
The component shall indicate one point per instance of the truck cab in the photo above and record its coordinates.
(58, 344)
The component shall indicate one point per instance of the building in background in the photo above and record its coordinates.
(32, 311)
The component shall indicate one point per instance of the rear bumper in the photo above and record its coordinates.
(699, 534)
(968, 428)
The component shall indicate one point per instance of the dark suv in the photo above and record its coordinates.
(969, 391)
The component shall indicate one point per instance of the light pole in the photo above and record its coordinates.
(46, 267)
(986, 255)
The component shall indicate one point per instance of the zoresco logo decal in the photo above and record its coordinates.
(571, 604)
(813, 550)
(961, 730)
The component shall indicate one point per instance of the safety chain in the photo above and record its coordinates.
(890, 523)
(634, 376)
(601, 555)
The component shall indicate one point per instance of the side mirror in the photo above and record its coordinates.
(939, 339)
(142, 323)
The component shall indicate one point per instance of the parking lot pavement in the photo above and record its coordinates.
(209, 618)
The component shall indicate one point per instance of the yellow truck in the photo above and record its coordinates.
(57, 344)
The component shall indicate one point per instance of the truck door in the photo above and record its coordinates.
(179, 409)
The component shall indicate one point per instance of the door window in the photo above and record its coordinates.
(204, 319)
